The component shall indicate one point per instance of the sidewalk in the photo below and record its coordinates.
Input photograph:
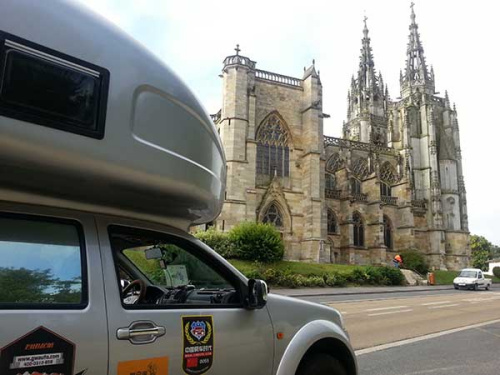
(312, 292)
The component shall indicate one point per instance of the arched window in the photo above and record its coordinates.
(332, 222)
(273, 216)
(359, 230)
(388, 176)
(355, 186)
(273, 154)
(330, 181)
(388, 173)
(360, 168)
(385, 190)
(334, 163)
(387, 232)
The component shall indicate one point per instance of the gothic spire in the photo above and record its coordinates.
(367, 80)
(416, 72)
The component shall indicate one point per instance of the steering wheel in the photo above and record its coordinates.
(136, 284)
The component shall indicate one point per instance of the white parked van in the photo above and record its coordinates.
(106, 160)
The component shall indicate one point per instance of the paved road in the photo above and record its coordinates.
(376, 322)
(371, 296)
(471, 352)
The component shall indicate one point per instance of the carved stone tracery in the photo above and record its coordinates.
(388, 173)
(360, 168)
(334, 163)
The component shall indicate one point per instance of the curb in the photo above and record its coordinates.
(369, 292)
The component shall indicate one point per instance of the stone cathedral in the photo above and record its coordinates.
(393, 181)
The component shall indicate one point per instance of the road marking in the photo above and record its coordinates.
(422, 338)
(435, 303)
(387, 308)
(443, 306)
(481, 299)
(391, 312)
(446, 293)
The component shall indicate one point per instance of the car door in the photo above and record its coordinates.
(202, 330)
(52, 311)
(481, 281)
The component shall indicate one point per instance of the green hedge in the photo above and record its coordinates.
(415, 261)
(219, 241)
(282, 275)
(496, 272)
(257, 242)
(246, 241)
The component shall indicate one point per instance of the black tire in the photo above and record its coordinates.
(321, 364)
(456, 287)
(487, 287)
(476, 287)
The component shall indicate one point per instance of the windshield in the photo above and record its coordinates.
(472, 274)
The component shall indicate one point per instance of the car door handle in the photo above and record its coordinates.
(140, 332)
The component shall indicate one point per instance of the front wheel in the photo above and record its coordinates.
(476, 287)
(321, 364)
(487, 287)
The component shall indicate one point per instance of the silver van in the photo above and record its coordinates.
(106, 160)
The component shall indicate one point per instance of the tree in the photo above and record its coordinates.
(495, 252)
(481, 250)
(21, 285)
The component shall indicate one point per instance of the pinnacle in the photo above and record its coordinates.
(416, 72)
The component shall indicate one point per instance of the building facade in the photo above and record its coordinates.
(393, 181)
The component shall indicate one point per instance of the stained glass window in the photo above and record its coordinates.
(385, 190)
(359, 230)
(332, 222)
(355, 186)
(334, 163)
(273, 154)
(330, 181)
(273, 216)
(387, 232)
(388, 173)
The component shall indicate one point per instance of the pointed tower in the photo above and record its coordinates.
(366, 115)
(430, 146)
(416, 76)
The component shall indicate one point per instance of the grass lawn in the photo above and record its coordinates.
(301, 268)
(446, 277)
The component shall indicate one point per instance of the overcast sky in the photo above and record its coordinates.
(460, 38)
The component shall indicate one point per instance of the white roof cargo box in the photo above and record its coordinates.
(88, 115)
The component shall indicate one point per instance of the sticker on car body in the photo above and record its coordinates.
(149, 366)
(40, 351)
(198, 344)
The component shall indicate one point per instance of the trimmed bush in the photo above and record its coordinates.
(393, 275)
(287, 278)
(415, 261)
(256, 241)
(334, 279)
(496, 272)
(219, 241)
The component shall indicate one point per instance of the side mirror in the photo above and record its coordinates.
(257, 294)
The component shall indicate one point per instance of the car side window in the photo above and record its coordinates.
(41, 263)
(480, 275)
(166, 271)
